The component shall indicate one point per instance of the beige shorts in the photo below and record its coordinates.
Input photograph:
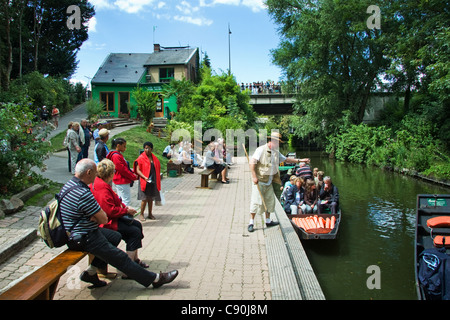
(256, 204)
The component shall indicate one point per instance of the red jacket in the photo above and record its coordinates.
(145, 167)
(123, 174)
(109, 201)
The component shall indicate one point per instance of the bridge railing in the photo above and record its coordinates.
(265, 88)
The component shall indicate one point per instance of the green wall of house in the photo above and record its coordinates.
(121, 93)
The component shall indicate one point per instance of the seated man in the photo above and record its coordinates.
(329, 196)
(168, 151)
(304, 172)
(82, 214)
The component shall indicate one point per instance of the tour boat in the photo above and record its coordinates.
(319, 230)
(432, 232)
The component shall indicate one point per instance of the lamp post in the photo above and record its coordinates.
(229, 50)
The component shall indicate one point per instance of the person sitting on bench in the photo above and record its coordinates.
(82, 214)
(213, 161)
(120, 216)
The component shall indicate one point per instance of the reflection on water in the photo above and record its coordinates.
(386, 218)
(378, 226)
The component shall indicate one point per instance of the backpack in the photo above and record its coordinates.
(51, 228)
(434, 274)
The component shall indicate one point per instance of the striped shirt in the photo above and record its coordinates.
(78, 203)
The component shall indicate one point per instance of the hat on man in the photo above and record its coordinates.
(276, 136)
(103, 132)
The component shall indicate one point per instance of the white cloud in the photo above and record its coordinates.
(161, 5)
(89, 45)
(101, 4)
(132, 6)
(92, 24)
(186, 8)
(197, 21)
(255, 5)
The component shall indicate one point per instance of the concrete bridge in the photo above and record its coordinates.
(280, 104)
(272, 103)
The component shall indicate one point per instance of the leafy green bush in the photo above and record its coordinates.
(180, 128)
(94, 109)
(413, 146)
(146, 103)
(20, 149)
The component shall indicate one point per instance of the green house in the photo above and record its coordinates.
(121, 73)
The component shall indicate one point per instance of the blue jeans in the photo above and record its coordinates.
(102, 243)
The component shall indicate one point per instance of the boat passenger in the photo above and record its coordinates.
(294, 197)
(329, 196)
(311, 198)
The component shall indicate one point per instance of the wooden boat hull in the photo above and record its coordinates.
(316, 234)
(428, 206)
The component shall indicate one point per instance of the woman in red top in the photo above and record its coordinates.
(124, 177)
(148, 168)
(120, 217)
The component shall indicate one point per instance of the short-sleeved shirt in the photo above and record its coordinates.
(257, 155)
(78, 203)
(209, 157)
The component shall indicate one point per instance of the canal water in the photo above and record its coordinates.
(373, 256)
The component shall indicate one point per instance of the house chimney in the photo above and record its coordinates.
(156, 47)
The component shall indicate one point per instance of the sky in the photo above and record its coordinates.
(133, 26)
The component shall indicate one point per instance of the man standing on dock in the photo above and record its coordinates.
(264, 169)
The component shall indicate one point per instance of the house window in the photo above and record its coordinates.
(107, 98)
(166, 74)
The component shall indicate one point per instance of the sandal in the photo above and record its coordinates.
(142, 263)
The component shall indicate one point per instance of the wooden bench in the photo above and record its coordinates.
(42, 283)
(205, 178)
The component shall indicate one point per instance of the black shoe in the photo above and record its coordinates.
(272, 223)
(165, 277)
(96, 282)
(250, 228)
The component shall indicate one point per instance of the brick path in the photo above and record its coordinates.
(203, 234)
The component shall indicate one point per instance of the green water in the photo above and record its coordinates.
(377, 228)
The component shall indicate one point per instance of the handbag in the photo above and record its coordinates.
(127, 219)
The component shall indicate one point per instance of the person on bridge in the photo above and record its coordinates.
(264, 169)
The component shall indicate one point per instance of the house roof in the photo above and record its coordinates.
(131, 67)
(170, 57)
(122, 68)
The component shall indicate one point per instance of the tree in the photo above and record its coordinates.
(215, 98)
(34, 37)
(329, 52)
(20, 149)
(146, 103)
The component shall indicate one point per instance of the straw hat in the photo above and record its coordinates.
(276, 136)
(103, 132)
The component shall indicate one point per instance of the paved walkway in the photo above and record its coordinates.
(202, 233)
